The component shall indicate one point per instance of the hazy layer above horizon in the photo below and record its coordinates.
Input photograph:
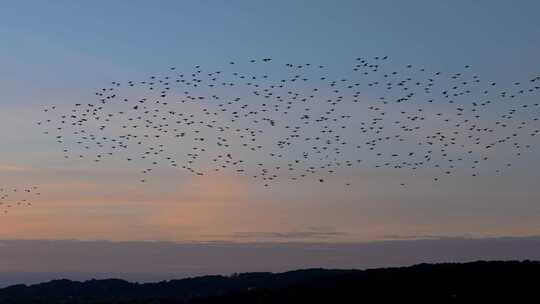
(23, 261)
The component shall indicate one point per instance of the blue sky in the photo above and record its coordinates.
(149, 35)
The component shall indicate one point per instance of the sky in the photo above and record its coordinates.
(59, 53)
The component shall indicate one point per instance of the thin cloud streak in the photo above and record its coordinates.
(14, 168)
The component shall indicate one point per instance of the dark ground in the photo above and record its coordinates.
(476, 282)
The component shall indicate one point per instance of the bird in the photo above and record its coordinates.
(13, 197)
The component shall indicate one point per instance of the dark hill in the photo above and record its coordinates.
(477, 282)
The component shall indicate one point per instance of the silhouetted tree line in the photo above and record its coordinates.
(476, 282)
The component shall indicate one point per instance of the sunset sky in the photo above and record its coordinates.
(60, 52)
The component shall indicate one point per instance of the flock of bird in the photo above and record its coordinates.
(277, 122)
(11, 198)
(273, 122)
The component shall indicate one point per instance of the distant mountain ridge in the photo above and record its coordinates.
(437, 283)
